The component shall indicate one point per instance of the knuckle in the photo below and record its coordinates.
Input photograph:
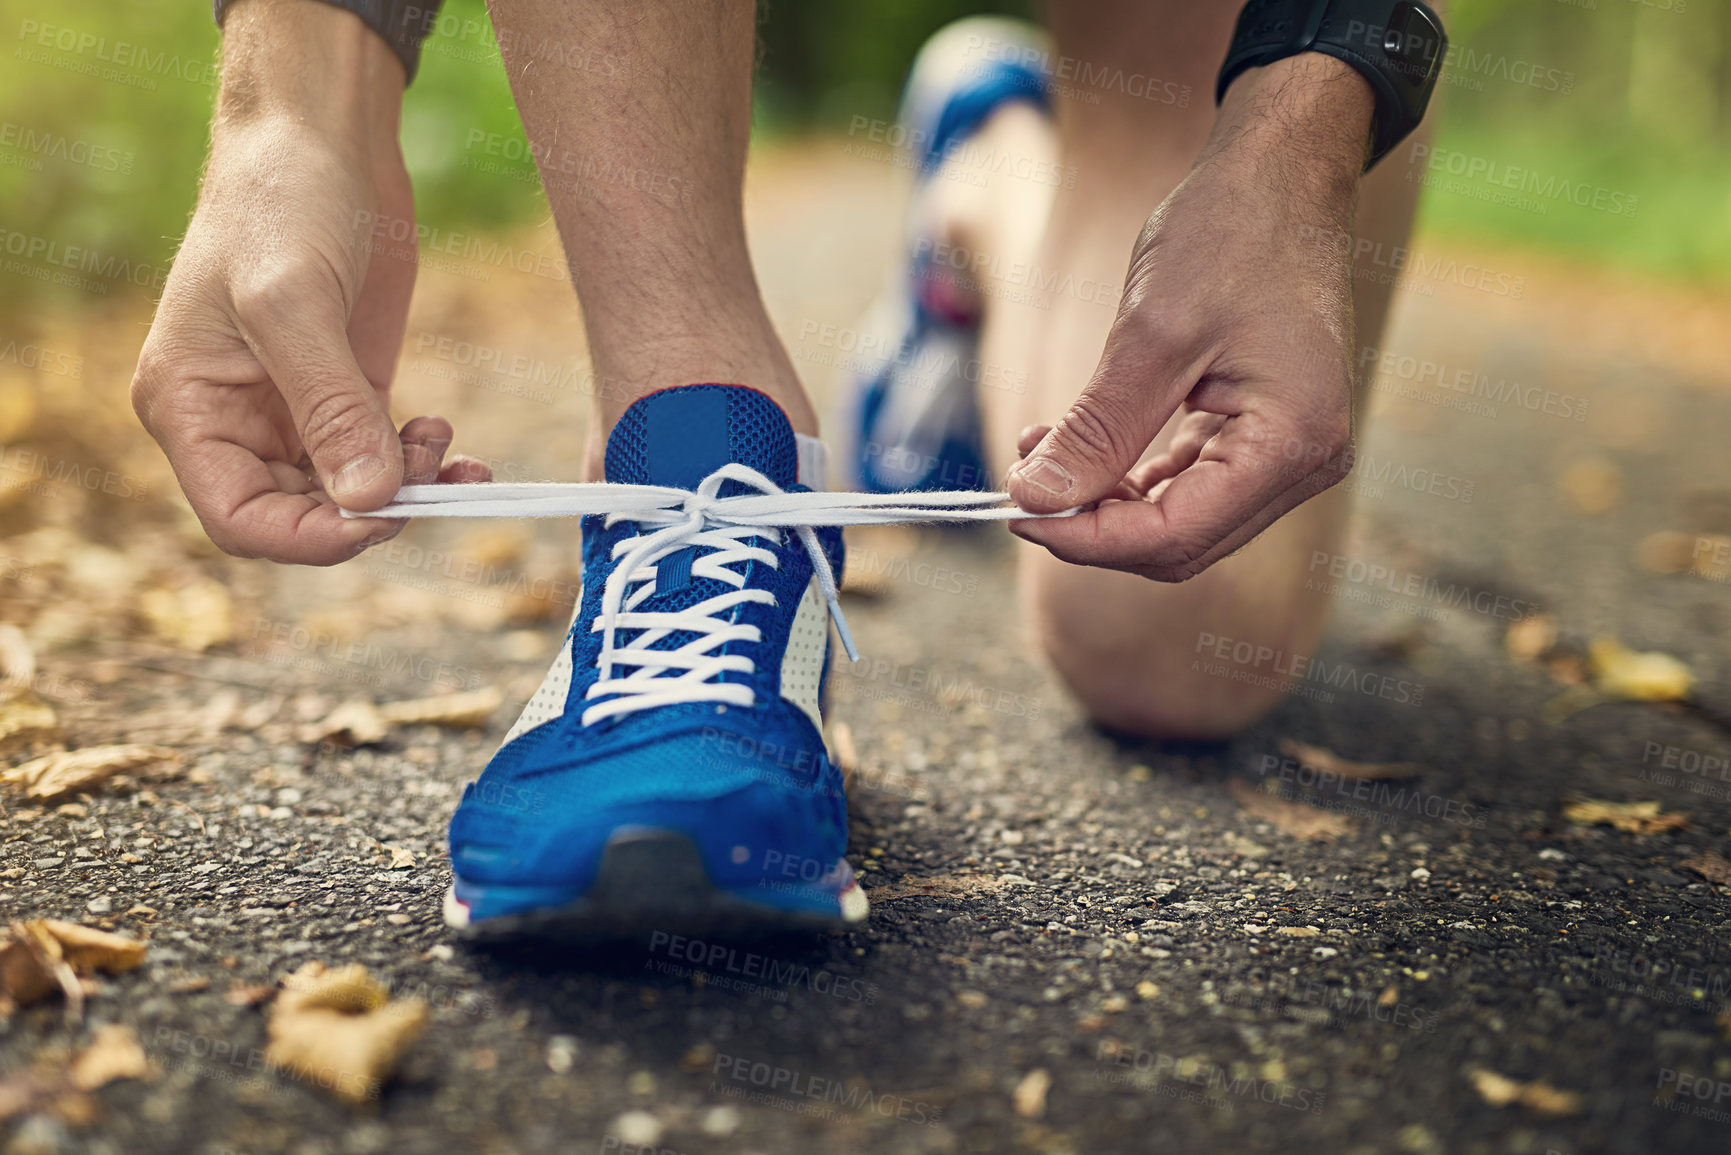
(1094, 427)
(276, 288)
(338, 418)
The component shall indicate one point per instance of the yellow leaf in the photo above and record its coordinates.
(1530, 638)
(466, 711)
(1538, 1095)
(843, 752)
(495, 546)
(113, 1054)
(1030, 1094)
(1329, 762)
(1634, 817)
(196, 616)
(1595, 486)
(1294, 818)
(356, 722)
(71, 771)
(25, 718)
(88, 950)
(1666, 552)
(341, 1031)
(1642, 677)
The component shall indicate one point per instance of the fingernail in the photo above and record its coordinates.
(379, 538)
(357, 474)
(1046, 475)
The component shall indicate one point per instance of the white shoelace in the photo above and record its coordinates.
(720, 527)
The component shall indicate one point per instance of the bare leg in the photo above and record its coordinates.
(1125, 645)
(639, 125)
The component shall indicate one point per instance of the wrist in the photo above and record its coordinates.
(312, 64)
(1311, 112)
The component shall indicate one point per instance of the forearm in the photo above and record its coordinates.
(311, 64)
(1307, 119)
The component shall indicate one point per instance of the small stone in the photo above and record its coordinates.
(1146, 990)
(636, 1129)
(720, 1122)
(1421, 874)
(561, 1053)
(102, 904)
(398, 919)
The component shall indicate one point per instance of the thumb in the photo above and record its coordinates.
(343, 423)
(1084, 457)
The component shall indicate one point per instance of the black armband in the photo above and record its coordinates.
(402, 23)
(1396, 45)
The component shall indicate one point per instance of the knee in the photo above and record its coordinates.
(1149, 673)
(1156, 694)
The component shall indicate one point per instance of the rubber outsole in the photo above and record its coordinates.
(654, 880)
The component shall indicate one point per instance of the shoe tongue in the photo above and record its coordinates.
(679, 436)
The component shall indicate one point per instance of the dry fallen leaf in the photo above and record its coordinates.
(88, 950)
(340, 1030)
(17, 656)
(876, 554)
(1329, 762)
(27, 973)
(1595, 486)
(1298, 931)
(1634, 817)
(245, 995)
(1294, 818)
(495, 546)
(113, 1054)
(1711, 866)
(843, 752)
(356, 722)
(25, 718)
(71, 771)
(40, 956)
(1030, 1094)
(1530, 638)
(1538, 1095)
(1666, 552)
(933, 886)
(1710, 557)
(195, 616)
(466, 711)
(1640, 677)
(402, 858)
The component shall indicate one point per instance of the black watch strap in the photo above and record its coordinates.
(1397, 45)
(402, 23)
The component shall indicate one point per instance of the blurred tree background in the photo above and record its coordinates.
(1632, 96)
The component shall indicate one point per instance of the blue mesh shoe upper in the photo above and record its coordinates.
(747, 784)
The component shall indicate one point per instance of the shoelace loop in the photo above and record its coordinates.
(720, 525)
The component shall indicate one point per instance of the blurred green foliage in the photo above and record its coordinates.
(104, 107)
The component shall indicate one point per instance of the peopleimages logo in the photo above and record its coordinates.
(723, 958)
(805, 1094)
(1516, 181)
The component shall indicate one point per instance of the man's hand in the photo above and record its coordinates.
(1237, 317)
(266, 374)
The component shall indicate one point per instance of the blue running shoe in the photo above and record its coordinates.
(670, 773)
(914, 417)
